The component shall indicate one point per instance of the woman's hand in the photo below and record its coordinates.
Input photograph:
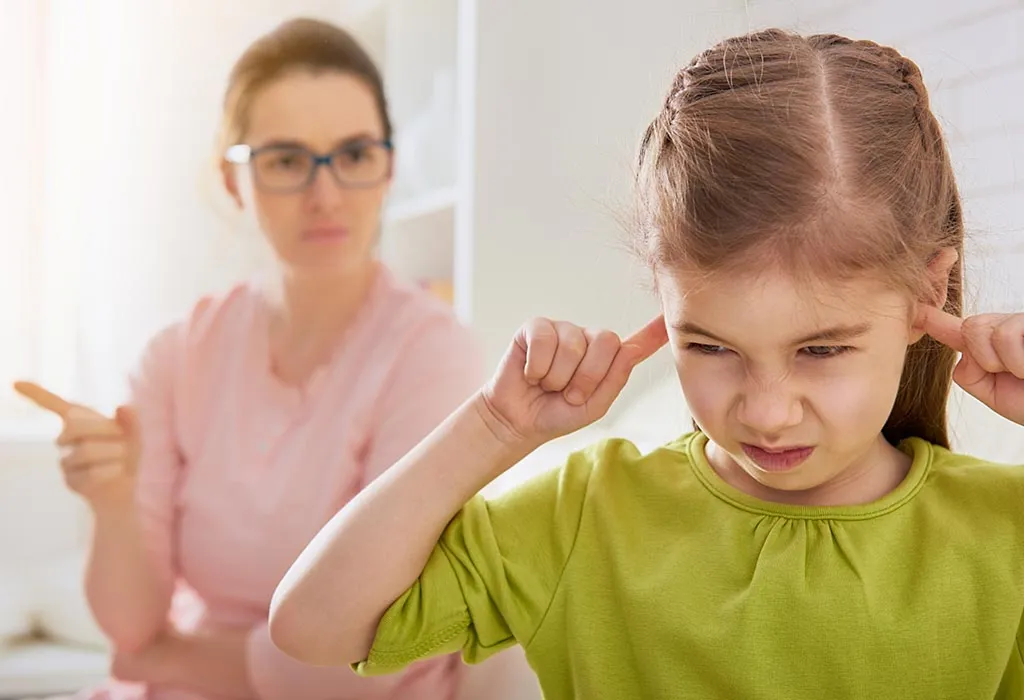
(209, 663)
(156, 664)
(557, 378)
(99, 454)
(991, 366)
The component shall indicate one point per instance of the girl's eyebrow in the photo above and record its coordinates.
(836, 334)
(833, 334)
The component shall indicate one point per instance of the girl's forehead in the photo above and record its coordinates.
(777, 295)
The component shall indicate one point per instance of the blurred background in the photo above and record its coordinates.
(517, 124)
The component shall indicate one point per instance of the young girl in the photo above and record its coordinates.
(814, 538)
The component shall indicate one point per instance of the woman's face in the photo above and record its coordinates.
(326, 224)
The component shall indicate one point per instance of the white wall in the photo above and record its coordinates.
(564, 91)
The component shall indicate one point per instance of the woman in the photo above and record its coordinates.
(256, 418)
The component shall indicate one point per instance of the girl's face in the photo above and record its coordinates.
(791, 383)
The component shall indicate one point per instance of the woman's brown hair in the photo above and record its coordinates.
(298, 44)
(818, 153)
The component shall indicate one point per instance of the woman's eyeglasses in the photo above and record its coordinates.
(292, 168)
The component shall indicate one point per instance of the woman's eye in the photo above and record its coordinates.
(288, 160)
(705, 349)
(825, 350)
(354, 154)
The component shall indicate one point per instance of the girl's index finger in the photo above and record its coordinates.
(944, 327)
(43, 398)
(648, 340)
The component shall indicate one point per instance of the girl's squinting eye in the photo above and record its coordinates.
(825, 350)
(705, 349)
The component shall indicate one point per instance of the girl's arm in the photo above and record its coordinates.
(555, 378)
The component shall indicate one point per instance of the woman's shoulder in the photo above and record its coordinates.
(410, 322)
(230, 309)
(212, 317)
(406, 306)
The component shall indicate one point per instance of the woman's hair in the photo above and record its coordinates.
(819, 154)
(298, 44)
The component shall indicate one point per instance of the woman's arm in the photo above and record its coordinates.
(128, 598)
(243, 665)
(209, 663)
(109, 462)
(130, 573)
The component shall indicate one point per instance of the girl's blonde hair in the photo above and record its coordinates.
(817, 153)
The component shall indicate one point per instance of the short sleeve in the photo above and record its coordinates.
(489, 581)
(160, 463)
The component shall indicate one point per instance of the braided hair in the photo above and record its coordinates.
(819, 153)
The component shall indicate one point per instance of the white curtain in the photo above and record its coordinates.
(36, 300)
(110, 222)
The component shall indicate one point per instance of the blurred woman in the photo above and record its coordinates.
(256, 418)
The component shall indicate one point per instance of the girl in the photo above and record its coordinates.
(814, 537)
(256, 418)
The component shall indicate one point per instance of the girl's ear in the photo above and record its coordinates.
(939, 269)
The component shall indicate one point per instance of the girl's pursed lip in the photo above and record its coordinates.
(777, 450)
(777, 459)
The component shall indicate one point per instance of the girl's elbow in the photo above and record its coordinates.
(298, 630)
(289, 628)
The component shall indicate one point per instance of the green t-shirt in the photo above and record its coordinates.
(628, 576)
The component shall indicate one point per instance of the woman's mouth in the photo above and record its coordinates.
(777, 459)
(325, 234)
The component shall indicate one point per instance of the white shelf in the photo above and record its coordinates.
(429, 204)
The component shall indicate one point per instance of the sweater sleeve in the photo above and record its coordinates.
(490, 579)
(160, 463)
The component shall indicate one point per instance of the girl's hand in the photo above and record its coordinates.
(557, 378)
(991, 366)
(100, 454)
